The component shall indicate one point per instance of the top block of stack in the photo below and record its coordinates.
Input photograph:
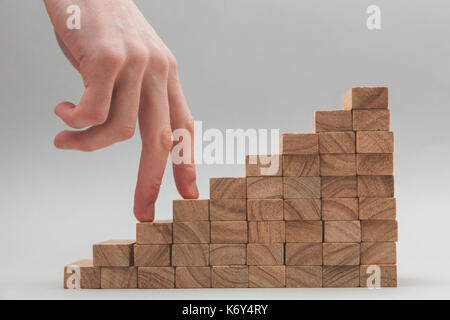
(365, 98)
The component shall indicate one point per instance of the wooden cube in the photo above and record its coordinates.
(301, 165)
(304, 254)
(191, 210)
(341, 254)
(342, 231)
(302, 209)
(299, 143)
(113, 253)
(374, 119)
(228, 188)
(81, 275)
(339, 187)
(156, 277)
(191, 232)
(227, 254)
(365, 98)
(303, 276)
(265, 254)
(334, 165)
(228, 231)
(118, 277)
(157, 232)
(337, 142)
(376, 186)
(230, 276)
(264, 187)
(265, 209)
(388, 276)
(301, 187)
(340, 276)
(266, 231)
(377, 208)
(152, 255)
(378, 253)
(339, 208)
(193, 277)
(228, 209)
(267, 276)
(304, 231)
(379, 230)
(190, 255)
(263, 165)
(375, 164)
(332, 120)
(375, 142)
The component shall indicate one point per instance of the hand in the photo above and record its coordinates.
(128, 74)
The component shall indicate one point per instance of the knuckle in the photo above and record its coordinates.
(97, 117)
(110, 57)
(126, 132)
(138, 55)
(172, 62)
(159, 63)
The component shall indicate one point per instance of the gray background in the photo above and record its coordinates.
(244, 64)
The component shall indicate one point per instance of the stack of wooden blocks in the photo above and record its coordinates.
(320, 220)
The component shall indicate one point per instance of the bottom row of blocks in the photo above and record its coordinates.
(231, 277)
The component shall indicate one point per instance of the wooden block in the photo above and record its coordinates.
(377, 208)
(301, 165)
(299, 143)
(85, 272)
(191, 210)
(157, 232)
(375, 119)
(227, 188)
(190, 255)
(375, 164)
(339, 187)
(301, 187)
(339, 208)
(265, 254)
(365, 98)
(304, 254)
(118, 277)
(266, 276)
(266, 231)
(378, 253)
(156, 277)
(265, 209)
(342, 231)
(341, 254)
(334, 165)
(304, 231)
(152, 255)
(375, 142)
(193, 277)
(337, 142)
(376, 186)
(228, 231)
(227, 254)
(340, 276)
(191, 232)
(332, 120)
(230, 277)
(264, 187)
(379, 230)
(302, 209)
(263, 165)
(113, 253)
(228, 209)
(304, 276)
(388, 275)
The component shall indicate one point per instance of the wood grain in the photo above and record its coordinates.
(190, 255)
(266, 231)
(89, 275)
(265, 209)
(228, 209)
(376, 186)
(230, 276)
(303, 276)
(299, 143)
(375, 164)
(118, 277)
(304, 231)
(377, 208)
(113, 253)
(375, 119)
(157, 232)
(193, 277)
(229, 232)
(191, 232)
(379, 230)
(332, 120)
(156, 277)
(340, 209)
(334, 165)
(337, 142)
(228, 254)
(228, 188)
(301, 165)
(375, 142)
(265, 254)
(152, 255)
(301, 187)
(339, 187)
(191, 210)
(263, 165)
(302, 209)
(388, 275)
(264, 187)
(304, 254)
(267, 276)
(340, 276)
(365, 98)
(341, 254)
(378, 253)
(342, 231)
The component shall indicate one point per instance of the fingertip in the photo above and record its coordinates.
(63, 108)
(145, 213)
(61, 140)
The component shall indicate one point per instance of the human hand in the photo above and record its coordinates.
(128, 74)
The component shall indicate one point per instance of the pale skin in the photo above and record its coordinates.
(129, 76)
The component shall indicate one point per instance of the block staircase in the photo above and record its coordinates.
(325, 218)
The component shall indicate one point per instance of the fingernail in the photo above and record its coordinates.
(150, 213)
